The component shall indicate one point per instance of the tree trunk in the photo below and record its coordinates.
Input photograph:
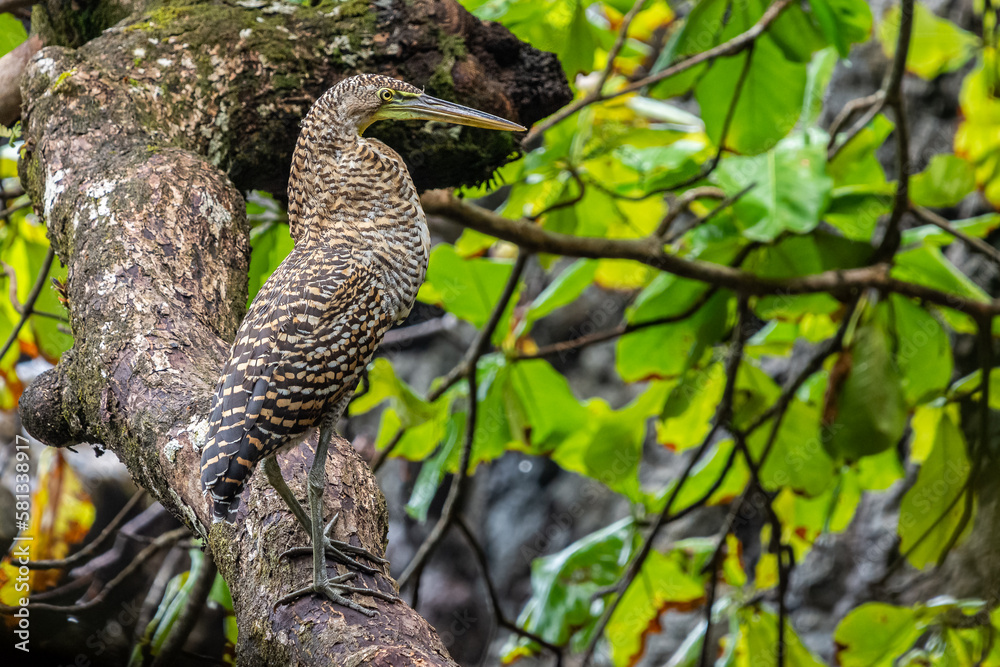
(138, 144)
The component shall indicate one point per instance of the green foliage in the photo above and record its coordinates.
(23, 249)
(937, 46)
(791, 188)
(270, 243)
(945, 182)
(865, 413)
(879, 409)
(12, 33)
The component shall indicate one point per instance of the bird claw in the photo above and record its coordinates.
(338, 550)
(332, 589)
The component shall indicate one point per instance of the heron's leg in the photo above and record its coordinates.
(273, 471)
(333, 588)
(334, 548)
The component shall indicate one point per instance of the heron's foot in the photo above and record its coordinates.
(339, 551)
(334, 589)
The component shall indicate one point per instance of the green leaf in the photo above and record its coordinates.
(791, 188)
(567, 286)
(609, 447)
(819, 72)
(936, 46)
(857, 162)
(706, 473)
(923, 351)
(578, 55)
(866, 412)
(976, 139)
(468, 288)
(797, 256)
(563, 585)
(770, 101)
(797, 459)
(433, 470)
(945, 182)
(270, 243)
(843, 22)
(758, 635)
(494, 432)
(559, 26)
(384, 384)
(804, 519)
(932, 510)
(855, 209)
(660, 167)
(797, 33)
(926, 265)
(875, 635)
(666, 351)
(424, 422)
(978, 227)
(661, 585)
(701, 30)
(25, 254)
(688, 412)
(546, 412)
(12, 33)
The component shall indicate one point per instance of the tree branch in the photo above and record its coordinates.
(843, 284)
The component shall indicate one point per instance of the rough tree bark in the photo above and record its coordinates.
(138, 144)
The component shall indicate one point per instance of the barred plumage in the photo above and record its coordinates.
(361, 250)
(361, 247)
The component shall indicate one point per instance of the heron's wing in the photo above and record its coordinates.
(307, 333)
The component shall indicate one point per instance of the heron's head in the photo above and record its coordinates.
(359, 101)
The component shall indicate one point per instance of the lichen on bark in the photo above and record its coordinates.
(139, 142)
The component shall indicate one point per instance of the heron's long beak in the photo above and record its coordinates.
(425, 107)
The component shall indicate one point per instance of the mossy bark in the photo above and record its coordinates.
(139, 142)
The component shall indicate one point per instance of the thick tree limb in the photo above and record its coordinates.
(133, 144)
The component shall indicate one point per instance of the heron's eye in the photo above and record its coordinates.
(385, 94)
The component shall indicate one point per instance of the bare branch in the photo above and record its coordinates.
(29, 304)
(11, 66)
(843, 284)
(167, 539)
(85, 552)
(501, 619)
(977, 245)
(477, 350)
(723, 415)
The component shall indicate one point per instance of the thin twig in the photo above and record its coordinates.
(381, 456)
(732, 47)
(164, 540)
(722, 416)
(85, 552)
(684, 202)
(501, 619)
(977, 245)
(619, 43)
(854, 106)
(478, 349)
(670, 237)
(29, 303)
(600, 336)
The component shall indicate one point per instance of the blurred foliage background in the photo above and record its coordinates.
(775, 416)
